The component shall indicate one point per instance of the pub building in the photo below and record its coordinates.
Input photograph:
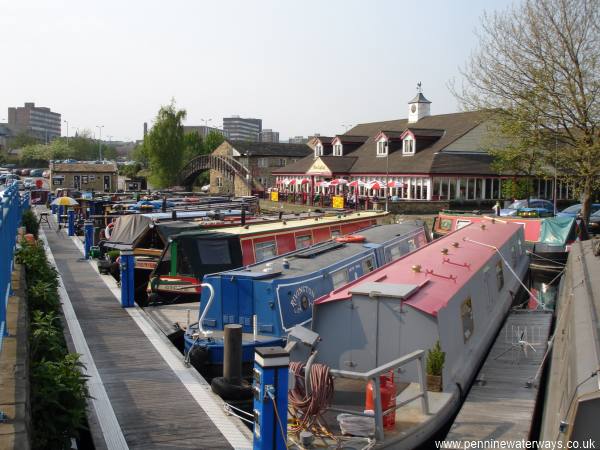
(423, 158)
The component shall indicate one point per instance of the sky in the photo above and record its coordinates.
(302, 66)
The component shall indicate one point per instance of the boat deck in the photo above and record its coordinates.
(143, 396)
(500, 405)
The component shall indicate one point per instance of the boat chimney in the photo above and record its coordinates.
(243, 218)
(286, 263)
(280, 215)
(174, 215)
(164, 204)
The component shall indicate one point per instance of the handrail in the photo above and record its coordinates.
(373, 376)
(206, 308)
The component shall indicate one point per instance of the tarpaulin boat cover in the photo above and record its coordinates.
(128, 230)
(557, 230)
(168, 229)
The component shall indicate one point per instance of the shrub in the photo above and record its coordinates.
(47, 340)
(435, 360)
(58, 401)
(30, 222)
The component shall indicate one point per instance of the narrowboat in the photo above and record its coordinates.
(269, 298)
(547, 239)
(191, 255)
(443, 303)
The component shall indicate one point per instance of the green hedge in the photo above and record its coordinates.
(58, 387)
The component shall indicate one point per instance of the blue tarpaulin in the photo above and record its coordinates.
(556, 230)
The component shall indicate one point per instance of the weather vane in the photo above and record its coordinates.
(419, 90)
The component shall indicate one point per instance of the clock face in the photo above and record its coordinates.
(413, 108)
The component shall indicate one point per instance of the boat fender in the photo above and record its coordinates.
(460, 391)
(108, 230)
(198, 356)
(351, 238)
(229, 391)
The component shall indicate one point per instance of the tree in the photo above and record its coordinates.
(538, 67)
(22, 139)
(140, 155)
(194, 146)
(165, 145)
(213, 140)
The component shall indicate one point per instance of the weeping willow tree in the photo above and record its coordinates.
(536, 71)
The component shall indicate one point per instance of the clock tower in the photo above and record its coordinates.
(419, 106)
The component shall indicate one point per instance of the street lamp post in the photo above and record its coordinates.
(387, 175)
(100, 140)
(67, 122)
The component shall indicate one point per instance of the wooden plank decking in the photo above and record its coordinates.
(153, 406)
(500, 405)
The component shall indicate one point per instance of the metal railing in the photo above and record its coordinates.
(373, 376)
(11, 208)
(222, 163)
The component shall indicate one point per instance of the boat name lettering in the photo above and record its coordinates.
(302, 299)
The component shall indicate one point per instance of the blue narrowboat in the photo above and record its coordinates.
(271, 297)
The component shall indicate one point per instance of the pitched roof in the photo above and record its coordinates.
(431, 159)
(351, 139)
(270, 149)
(83, 167)
(419, 98)
(336, 164)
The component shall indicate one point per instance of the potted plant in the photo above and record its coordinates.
(435, 365)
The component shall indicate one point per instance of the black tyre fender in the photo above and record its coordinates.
(198, 357)
(228, 391)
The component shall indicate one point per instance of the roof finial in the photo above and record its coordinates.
(419, 88)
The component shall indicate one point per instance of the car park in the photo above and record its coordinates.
(36, 172)
(534, 207)
(28, 183)
(25, 172)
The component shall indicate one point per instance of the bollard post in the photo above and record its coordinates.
(61, 211)
(232, 354)
(88, 234)
(71, 227)
(53, 209)
(270, 387)
(127, 279)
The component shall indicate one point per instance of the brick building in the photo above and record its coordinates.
(261, 158)
(84, 176)
(38, 122)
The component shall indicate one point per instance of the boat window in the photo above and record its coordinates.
(466, 312)
(183, 263)
(411, 245)
(499, 275)
(368, 265)
(264, 250)
(395, 252)
(303, 241)
(462, 223)
(339, 278)
(214, 252)
(335, 233)
(446, 224)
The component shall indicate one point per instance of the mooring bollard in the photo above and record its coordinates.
(127, 264)
(88, 234)
(232, 354)
(61, 211)
(71, 228)
(270, 398)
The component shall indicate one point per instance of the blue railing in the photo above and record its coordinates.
(12, 206)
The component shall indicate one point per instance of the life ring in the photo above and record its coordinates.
(108, 230)
(350, 238)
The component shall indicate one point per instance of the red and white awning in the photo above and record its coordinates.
(304, 181)
(338, 181)
(356, 183)
(375, 185)
(323, 183)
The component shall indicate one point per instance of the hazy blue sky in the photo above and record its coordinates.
(302, 66)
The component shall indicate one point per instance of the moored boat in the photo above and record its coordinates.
(271, 297)
(547, 239)
(191, 255)
(455, 291)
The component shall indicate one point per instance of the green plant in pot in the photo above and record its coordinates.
(435, 365)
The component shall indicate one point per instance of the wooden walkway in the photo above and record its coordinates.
(144, 396)
(500, 405)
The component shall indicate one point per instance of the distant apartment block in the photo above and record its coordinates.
(204, 130)
(298, 140)
(39, 122)
(241, 129)
(269, 136)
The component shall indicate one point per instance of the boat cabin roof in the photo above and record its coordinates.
(295, 224)
(325, 254)
(440, 275)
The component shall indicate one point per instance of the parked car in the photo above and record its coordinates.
(594, 223)
(25, 172)
(534, 207)
(17, 171)
(28, 183)
(575, 210)
(36, 172)
(46, 174)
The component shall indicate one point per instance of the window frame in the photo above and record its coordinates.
(261, 247)
(337, 150)
(405, 141)
(382, 147)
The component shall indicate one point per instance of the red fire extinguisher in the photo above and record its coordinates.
(388, 399)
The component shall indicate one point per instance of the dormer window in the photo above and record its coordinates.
(318, 150)
(408, 146)
(337, 150)
(382, 147)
